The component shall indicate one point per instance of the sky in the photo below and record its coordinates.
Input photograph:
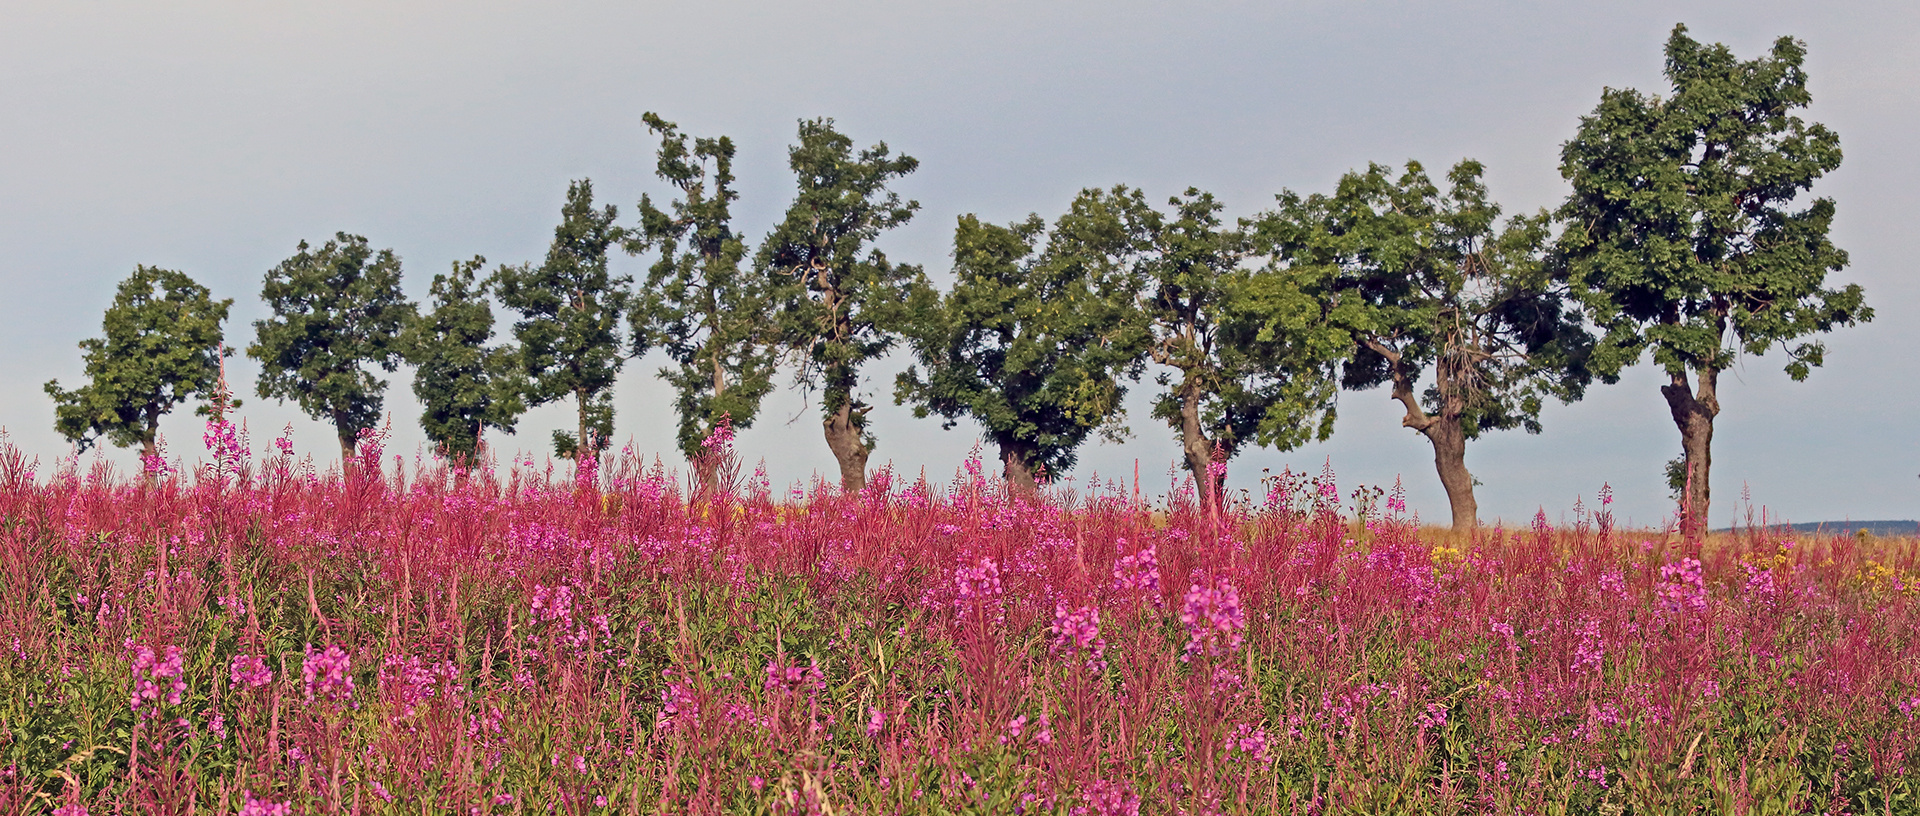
(212, 137)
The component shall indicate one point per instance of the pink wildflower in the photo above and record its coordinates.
(250, 671)
(1015, 727)
(678, 706)
(1251, 742)
(1683, 587)
(979, 587)
(1139, 571)
(1214, 620)
(254, 806)
(1076, 631)
(794, 677)
(1588, 655)
(152, 674)
(328, 673)
(1106, 798)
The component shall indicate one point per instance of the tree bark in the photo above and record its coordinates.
(149, 442)
(1444, 433)
(1450, 459)
(1693, 412)
(711, 476)
(348, 440)
(1019, 475)
(580, 441)
(149, 450)
(1197, 448)
(843, 438)
(843, 426)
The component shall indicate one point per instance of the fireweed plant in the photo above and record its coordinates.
(257, 637)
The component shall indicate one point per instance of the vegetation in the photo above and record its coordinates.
(336, 310)
(840, 301)
(1034, 338)
(1421, 280)
(405, 643)
(1686, 232)
(264, 636)
(162, 347)
(464, 387)
(571, 308)
(711, 317)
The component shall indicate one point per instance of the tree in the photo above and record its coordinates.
(710, 316)
(463, 386)
(335, 311)
(1032, 341)
(1248, 365)
(1686, 232)
(1418, 280)
(162, 346)
(571, 307)
(840, 303)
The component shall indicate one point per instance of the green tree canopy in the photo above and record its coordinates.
(1686, 231)
(1248, 364)
(162, 346)
(710, 316)
(840, 303)
(336, 310)
(1033, 340)
(571, 309)
(463, 386)
(1419, 280)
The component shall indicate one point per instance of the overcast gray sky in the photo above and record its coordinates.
(212, 137)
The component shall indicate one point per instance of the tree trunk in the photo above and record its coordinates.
(843, 426)
(1443, 432)
(1693, 413)
(472, 459)
(150, 441)
(150, 450)
(843, 438)
(348, 440)
(1197, 448)
(580, 441)
(713, 334)
(1450, 459)
(711, 478)
(1019, 475)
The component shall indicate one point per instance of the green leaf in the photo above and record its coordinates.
(162, 346)
(336, 311)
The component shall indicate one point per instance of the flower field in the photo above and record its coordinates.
(259, 638)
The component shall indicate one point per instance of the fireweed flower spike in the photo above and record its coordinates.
(1213, 618)
(917, 648)
(249, 671)
(255, 806)
(327, 674)
(157, 678)
(1077, 631)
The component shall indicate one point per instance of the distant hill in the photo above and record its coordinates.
(1901, 527)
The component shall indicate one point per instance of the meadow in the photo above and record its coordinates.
(257, 637)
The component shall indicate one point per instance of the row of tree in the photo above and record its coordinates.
(1687, 234)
